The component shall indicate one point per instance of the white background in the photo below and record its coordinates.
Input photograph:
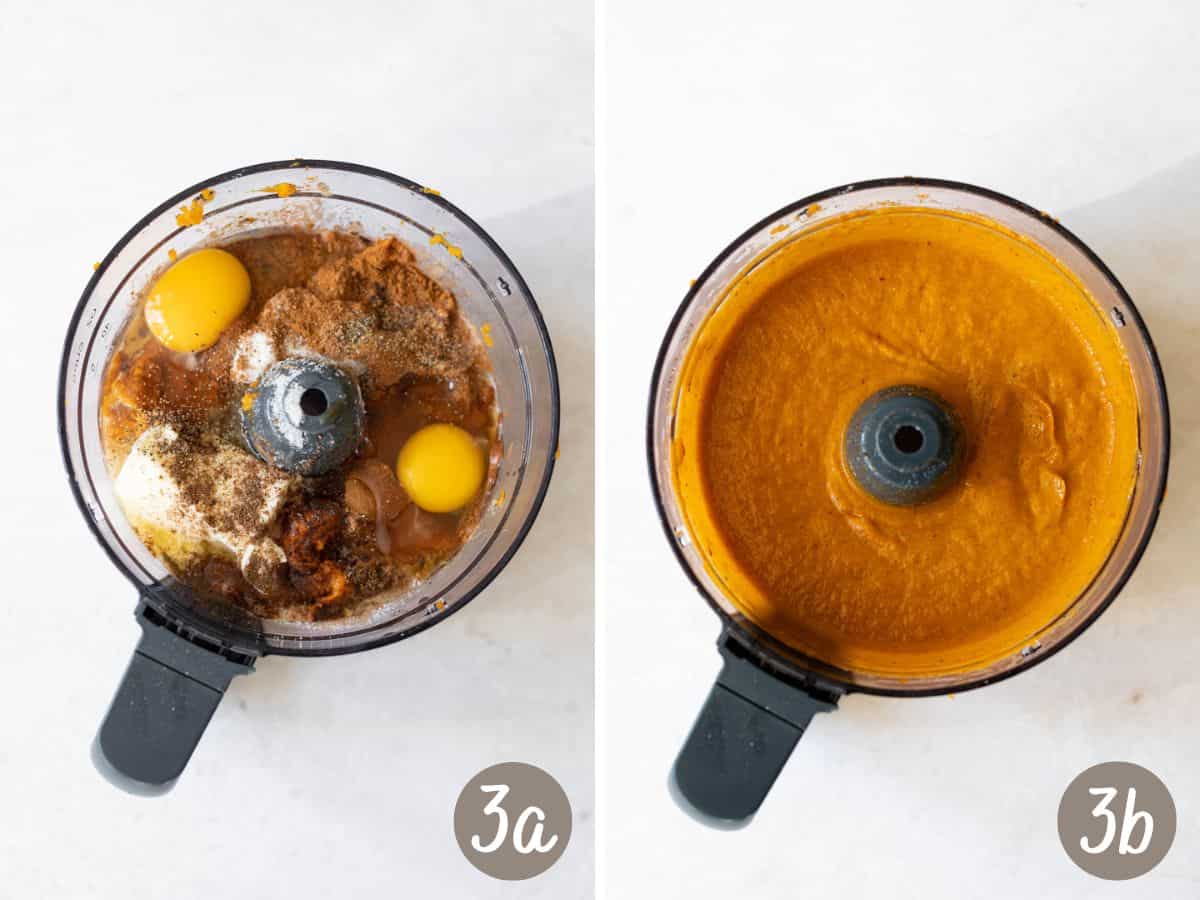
(713, 119)
(317, 778)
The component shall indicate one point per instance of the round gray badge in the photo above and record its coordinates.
(1116, 820)
(512, 821)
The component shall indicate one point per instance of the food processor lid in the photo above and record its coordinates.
(375, 203)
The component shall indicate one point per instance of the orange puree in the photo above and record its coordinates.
(902, 296)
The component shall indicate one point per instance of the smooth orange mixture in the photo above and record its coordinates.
(895, 296)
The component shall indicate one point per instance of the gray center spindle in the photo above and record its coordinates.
(306, 416)
(904, 445)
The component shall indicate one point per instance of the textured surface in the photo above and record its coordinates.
(1037, 377)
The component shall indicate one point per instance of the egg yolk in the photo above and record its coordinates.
(441, 467)
(196, 299)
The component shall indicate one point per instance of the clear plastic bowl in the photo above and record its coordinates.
(789, 224)
(376, 204)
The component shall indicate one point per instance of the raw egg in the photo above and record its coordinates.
(441, 467)
(196, 299)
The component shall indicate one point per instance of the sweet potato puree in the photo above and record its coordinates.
(900, 296)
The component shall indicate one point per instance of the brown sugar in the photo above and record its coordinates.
(376, 311)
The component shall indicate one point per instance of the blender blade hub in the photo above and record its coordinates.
(903, 445)
(305, 416)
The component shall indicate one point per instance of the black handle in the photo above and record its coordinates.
(162, 706)
(744, 734)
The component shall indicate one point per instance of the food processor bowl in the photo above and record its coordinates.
(190, 650)
(767, 692)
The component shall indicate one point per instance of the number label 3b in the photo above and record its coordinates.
(1116, 820)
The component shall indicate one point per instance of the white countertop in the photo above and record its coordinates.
(339, 775)
(712, 121)
(317, 778)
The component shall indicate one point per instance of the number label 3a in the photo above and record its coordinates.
(512, 821)
(521, 842)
